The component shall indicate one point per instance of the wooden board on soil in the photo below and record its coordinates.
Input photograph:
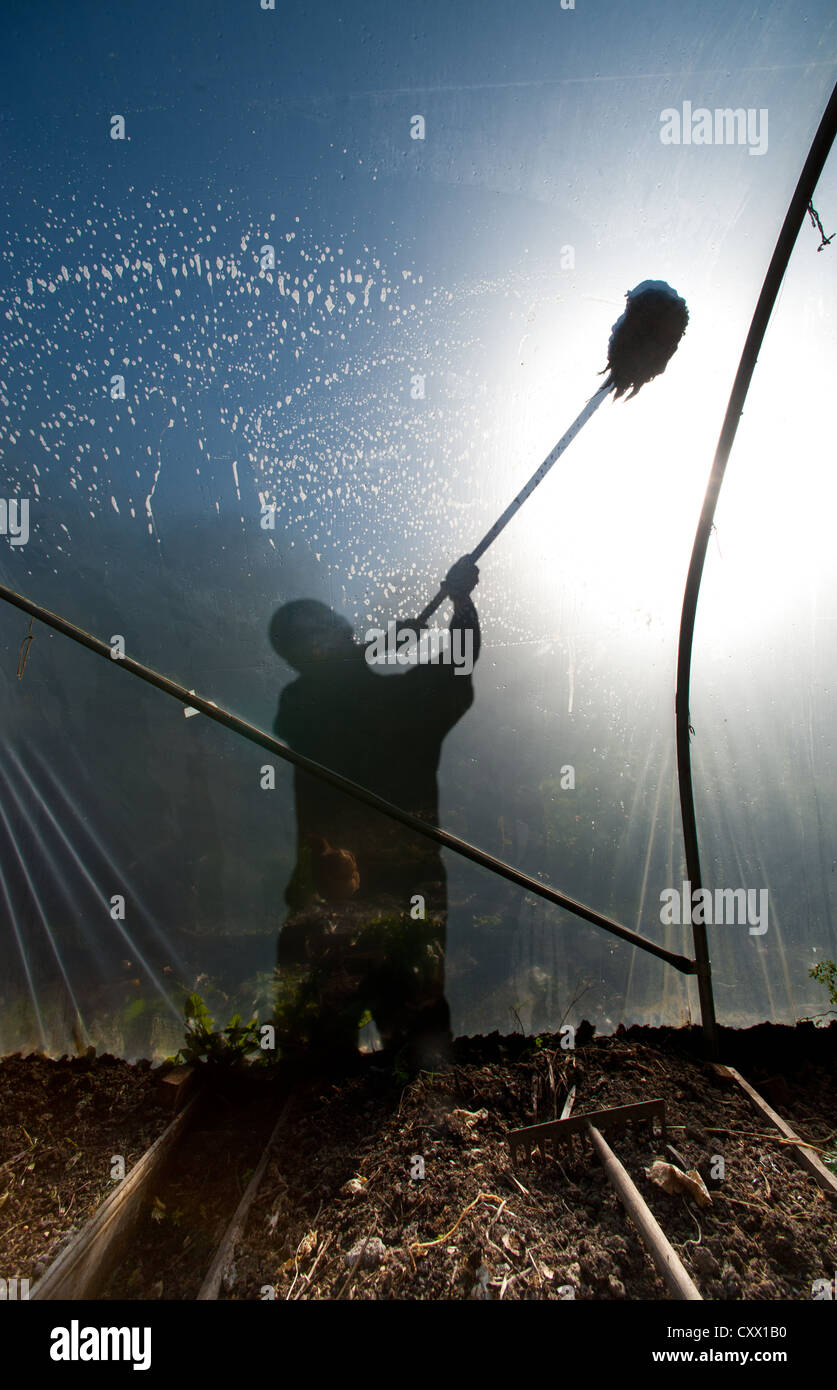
(343, 1212)
(340, 1215)
(186, 1215)
(61, 1124)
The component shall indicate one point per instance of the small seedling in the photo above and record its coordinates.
(224, 1047)
(826, 974)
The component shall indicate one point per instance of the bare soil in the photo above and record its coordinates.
(340, 1216)
(343, 1211)
(176, 1240)
(61, 1122)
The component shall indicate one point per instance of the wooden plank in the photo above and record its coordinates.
(211, 1286)
(176, 1086)
(84, 1266)
(803, 1155)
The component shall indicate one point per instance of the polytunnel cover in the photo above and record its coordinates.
(292, 305)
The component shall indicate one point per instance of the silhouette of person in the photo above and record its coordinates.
(368, 897)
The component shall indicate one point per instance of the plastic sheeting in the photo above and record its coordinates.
(346, 336)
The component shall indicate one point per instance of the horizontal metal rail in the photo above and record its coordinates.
(344, 784)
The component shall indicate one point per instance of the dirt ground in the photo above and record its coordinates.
(341, 1216)
(60, 1124)
(380, 1188)
(176, 1240)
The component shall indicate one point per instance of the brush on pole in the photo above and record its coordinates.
(642, 342)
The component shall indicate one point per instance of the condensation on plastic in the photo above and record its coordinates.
(436, 316)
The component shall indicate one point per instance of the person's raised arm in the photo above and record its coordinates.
(459, 583)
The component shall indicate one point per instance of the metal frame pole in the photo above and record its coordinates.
(794, 218)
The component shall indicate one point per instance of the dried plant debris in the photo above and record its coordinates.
(415, 1190)
(377, 1188)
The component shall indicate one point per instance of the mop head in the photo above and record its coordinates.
(646, 336)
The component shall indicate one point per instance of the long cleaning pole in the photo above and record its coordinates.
(537, 477)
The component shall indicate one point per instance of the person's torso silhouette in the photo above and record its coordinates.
(356, 868)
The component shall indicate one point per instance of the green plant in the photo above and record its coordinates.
(826, 974)
(226, 1047)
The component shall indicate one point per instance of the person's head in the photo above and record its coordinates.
(306, 632)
